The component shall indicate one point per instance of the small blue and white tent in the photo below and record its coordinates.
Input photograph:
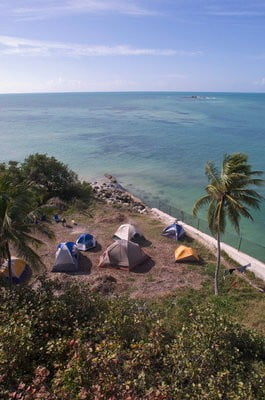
(66, 259)
(174, 231)
(86, 242)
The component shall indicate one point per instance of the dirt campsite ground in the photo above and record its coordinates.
(158, 276)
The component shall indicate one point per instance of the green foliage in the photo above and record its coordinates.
(55, 177)
(229, 193)
(17, 226)
(13, 171)
(59, 341)
(229, 196)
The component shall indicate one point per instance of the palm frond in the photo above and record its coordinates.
(234, 217)
(211, 172)
(220, 217)
(211, 216)
(249, 201)
(16, 227)
(247, 192)
(27, 253)
(215, 191)
(256, 182)
(200, 203)
(238, 207)
(256, 173)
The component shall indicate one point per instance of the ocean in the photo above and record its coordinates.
(155, 143)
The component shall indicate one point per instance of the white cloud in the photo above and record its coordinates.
(36, 9)
(236, 8)
(53, 85)
(236, 13)
(42, 9)
(10, 45)
(59, 84)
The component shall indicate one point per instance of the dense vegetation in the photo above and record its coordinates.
(24, 191)
(18, 213)
(60, 341)
(49, 177)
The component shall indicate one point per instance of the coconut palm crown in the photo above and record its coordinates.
(17, 225)
(230, 195)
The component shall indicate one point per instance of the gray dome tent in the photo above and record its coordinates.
(124, 254)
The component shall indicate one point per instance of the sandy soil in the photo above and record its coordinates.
(157, 277)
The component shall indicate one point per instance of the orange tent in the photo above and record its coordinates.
(18, 269)
(184, 253)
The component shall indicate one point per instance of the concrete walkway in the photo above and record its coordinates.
(257, 267)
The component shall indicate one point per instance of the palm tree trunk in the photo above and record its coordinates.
(9, 266)
(216, 274)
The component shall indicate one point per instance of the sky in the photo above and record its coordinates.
(132, 45)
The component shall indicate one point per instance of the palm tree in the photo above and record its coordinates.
(230, 195)
(17, 226)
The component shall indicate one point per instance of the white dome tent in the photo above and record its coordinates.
(127, 232)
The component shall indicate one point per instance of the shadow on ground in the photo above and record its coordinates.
(85, 266)
(142, 241)
(95, 249)
(144, 268)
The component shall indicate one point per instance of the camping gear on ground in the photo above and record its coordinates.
(19, 269)
(124, 254)
(56, 218)
(186, 254)
(127, 232)
(66, 258)
(241, 269)
(174, 231)
(85, 242)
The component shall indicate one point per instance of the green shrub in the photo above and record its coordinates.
(59, 341)
(55, 177)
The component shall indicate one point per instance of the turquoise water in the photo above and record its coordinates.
(156, 144)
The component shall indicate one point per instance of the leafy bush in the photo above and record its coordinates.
(48, 178)
(59, 341)
(55, 177)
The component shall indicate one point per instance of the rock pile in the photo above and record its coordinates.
(110, 191)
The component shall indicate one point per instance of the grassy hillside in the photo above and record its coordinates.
(156, 332)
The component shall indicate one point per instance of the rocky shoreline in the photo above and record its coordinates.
(110, 191)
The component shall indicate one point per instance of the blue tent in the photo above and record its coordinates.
(85, 242)
(66, 259)
(174, 231)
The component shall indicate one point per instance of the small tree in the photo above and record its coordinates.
(51, 174)
(55, 178)
(229, 196)
(17, 203)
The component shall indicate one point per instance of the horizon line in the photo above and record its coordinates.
(135, 91)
